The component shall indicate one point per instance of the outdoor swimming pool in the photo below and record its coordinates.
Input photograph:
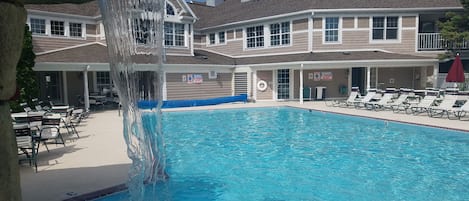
(273, 154)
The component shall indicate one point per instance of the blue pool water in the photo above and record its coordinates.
(274, 154)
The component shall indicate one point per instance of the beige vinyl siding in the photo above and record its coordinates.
(209, 88)
(239, 33)
(363, 22)
(230, 35)
(361, 40)
(408, 21)
(300, 25)
(348, 22)
(267, 77)
(176, 50)
(403, 77)
(235, 48)
(43, 44)
(91, 29)
(339, 78)
(317, 23)
(198, 38)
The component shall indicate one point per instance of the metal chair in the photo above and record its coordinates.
(26, 143)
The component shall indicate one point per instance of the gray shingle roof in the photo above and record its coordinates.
(90, 9)
(96, 53)
(233, 10)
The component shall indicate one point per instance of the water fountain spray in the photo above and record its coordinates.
(134, 36)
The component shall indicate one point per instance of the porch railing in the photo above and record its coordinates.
(434, 41)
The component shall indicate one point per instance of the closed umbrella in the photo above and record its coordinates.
(456, 72)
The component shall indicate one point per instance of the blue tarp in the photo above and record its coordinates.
(191, 103)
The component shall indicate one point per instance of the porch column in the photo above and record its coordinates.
(254, 84)
(368, 78)
(349, 80)
(86, 93)
(436, 69)
(65, 87)
(301, 84)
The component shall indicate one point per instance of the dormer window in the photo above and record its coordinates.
(57, 28)
(169, 10)
(38, 26)
(75, 30)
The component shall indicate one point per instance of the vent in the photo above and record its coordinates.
(212, 74)
(241, 83)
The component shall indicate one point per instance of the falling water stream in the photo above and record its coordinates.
(134, 36)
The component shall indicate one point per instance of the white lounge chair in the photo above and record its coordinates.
(344, 102)
(399, 104)
(460, 112)
(365, 100)
(423, 105)
(381, 104)
(446, 105)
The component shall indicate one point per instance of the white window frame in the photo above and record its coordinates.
(64, 27)
(280, 34)
(83, 28)
(209, 39)
(339, 30)
(218, 37)
(384, 40)
(31, 28)
(173, 34)
(264, 41)
(66, 22)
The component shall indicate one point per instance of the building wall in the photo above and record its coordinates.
(267, 76)
(400, 78)
(339, 78)
(209, 88)
(235, 44)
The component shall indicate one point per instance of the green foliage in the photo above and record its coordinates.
(455, 27)
(25, 76)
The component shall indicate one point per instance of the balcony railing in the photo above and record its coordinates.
(434, 41)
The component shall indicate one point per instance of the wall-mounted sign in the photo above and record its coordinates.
(326, 76)
(310, 76)
(317, 76)
(197, 78)
(193, 78)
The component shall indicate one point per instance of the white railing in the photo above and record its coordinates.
(434, 41)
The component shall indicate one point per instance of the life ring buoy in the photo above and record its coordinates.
(261, 85)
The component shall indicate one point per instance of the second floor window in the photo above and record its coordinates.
(221, 37)
(385, 28)
(280, 34)
(211, 38)
(174, 34)
(38, 26)
(75, 30)
(57, 28)
(331, 31)
(255, 36)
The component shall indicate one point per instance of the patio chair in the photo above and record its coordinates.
(446, 105)
(344, 102)
(359, 103)
(399, 104)
(381, 103)
(25, 107)
(460, 112)
(50, 130)
(26, 143)
(423, 105)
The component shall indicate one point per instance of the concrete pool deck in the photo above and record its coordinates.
(99, 160)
